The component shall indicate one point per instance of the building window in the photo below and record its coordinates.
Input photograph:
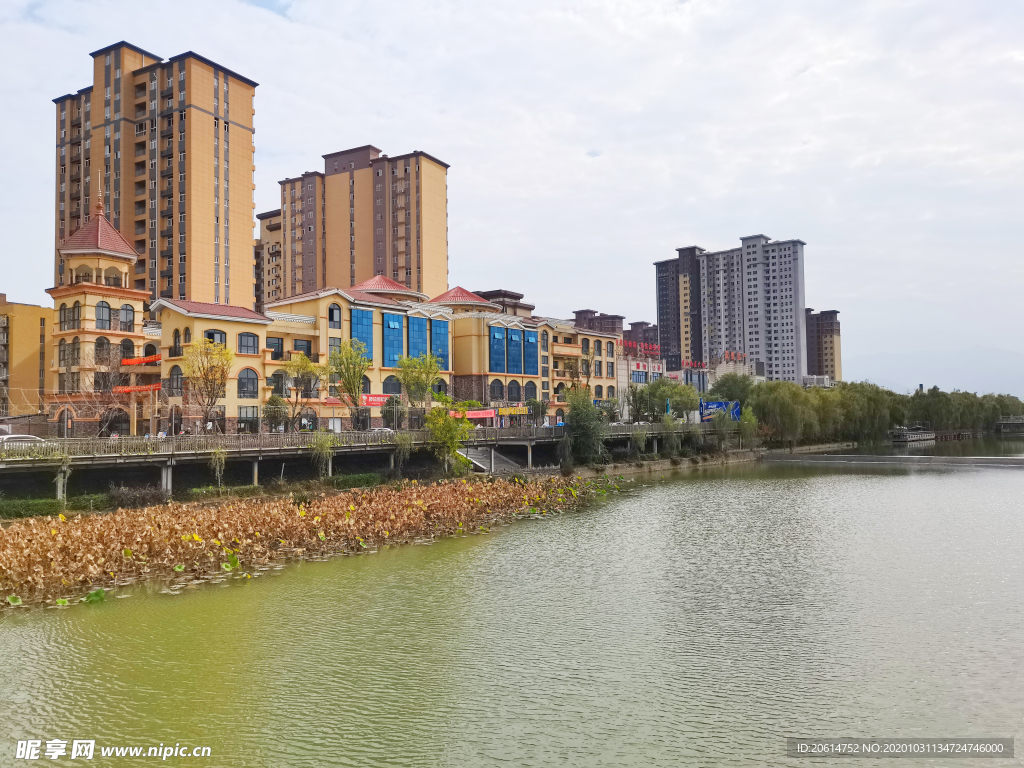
(515, 351)
(176, 382)
(248, 384)
(417, 337)
(439, 342)
(248, 344)
(215, 336)
(597, 349)
(127, 349)
(102, 316)
(393, 339)
(530, 353)
(497, 349)
(127, 318)
(366, 385)
(544, 341)
(276, 346)
(530, 391)
(248, 419)
(392, 386)
(611, 369)
(514, 391)
(497, 390)
(585, 346)
(334, 316)
(303, 346)
(361, 327)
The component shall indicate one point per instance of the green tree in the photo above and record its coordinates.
(682, 399)
(731, 386)
(448, 433)
(275, 413)
(748, 426)
(418, 376)
(348, 366)
(784, 410)
(584, 427)
(207, 366)
(306, 380)
(391, 412)
(538, 410)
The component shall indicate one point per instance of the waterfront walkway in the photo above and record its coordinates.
(929, 462)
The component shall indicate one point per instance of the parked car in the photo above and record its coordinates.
(382, 429)
(17, 439)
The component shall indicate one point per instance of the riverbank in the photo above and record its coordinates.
(674, 464)
(46, 560)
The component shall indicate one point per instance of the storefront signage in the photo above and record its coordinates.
(487, 413)
(373, 400)
(636, 365)
(518, 410)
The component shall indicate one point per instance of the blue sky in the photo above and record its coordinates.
(589, 139)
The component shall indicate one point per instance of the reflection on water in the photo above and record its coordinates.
(691, 622)
(989, 445)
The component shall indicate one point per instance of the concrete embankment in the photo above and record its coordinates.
(923, 462)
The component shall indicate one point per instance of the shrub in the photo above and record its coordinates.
(363, 480)
(13, 508)
(137, 496)
(213, 492)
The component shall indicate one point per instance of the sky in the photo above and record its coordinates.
(588, 140)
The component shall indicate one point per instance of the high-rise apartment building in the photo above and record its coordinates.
(168, 146)
(269, 268)
(593, 320)
(824, 352)
(747, 300)
(24, 337)
(366, 214)
(679, 313)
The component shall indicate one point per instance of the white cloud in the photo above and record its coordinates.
(589, 139)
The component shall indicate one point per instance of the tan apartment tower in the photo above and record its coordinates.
(824, 351)
(168, 145)
(366, 214)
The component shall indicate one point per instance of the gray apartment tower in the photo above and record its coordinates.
(748, 300)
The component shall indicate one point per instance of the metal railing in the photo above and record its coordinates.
(190, 445)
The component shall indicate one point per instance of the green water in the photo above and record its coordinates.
(692, 622)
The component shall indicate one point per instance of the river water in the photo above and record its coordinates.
(692, 622)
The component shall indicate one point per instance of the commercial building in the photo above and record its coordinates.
(168, 148)
(824, 352)
(24, 335)
(365, 215)
(749, 301)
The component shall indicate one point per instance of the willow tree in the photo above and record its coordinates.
(207, 366)
(348, 366)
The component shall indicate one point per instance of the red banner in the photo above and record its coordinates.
(487, 413)
(373, 400)
(141, 360)
(137, 388)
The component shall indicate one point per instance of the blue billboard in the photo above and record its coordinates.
(709, 409)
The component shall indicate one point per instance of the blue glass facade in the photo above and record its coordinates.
(394, 338)
(439, 342)
(515, 351)
(497, 349)
(362, 329)
(530, 353)
(417, 336)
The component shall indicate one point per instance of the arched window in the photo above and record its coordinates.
(114, 422)
(585, 346)
(366, 385)
(188, 335)
(176, 382)
(127, 349)
(392, 386)
(530, 391)
(334, 316)
(440, 387)
(102, 353)
(560, 388)
(102, 316)
(62, 353)
(559, 415)
(177, 337)
(150, 350)
(514, 391)
(544, 341)
(611, 391)
(76, 352)
(248, 384)
(62, 314)
(597, 347)
(599, 392)
(248, 344)
(215, 336)
(127, 317)
(76, 315)
(497, 390)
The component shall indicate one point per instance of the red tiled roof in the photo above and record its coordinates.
(99, 235)
(458, 294)
(225, 310)
(381, 283)
(372, 298)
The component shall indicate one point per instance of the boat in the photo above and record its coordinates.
(911, 435)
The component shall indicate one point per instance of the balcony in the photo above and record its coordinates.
(166, 253)
(313, 356)
(166, 173)
(76, 120)
(169, 272)
(166, 93)
(140, 267)
(113, 282)
(76, 194)
(76, 176)
(166, 133)
(175, 351)
(559, 349)
(166, 192)
(125, 327)
(166, 152)
(166, 232)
